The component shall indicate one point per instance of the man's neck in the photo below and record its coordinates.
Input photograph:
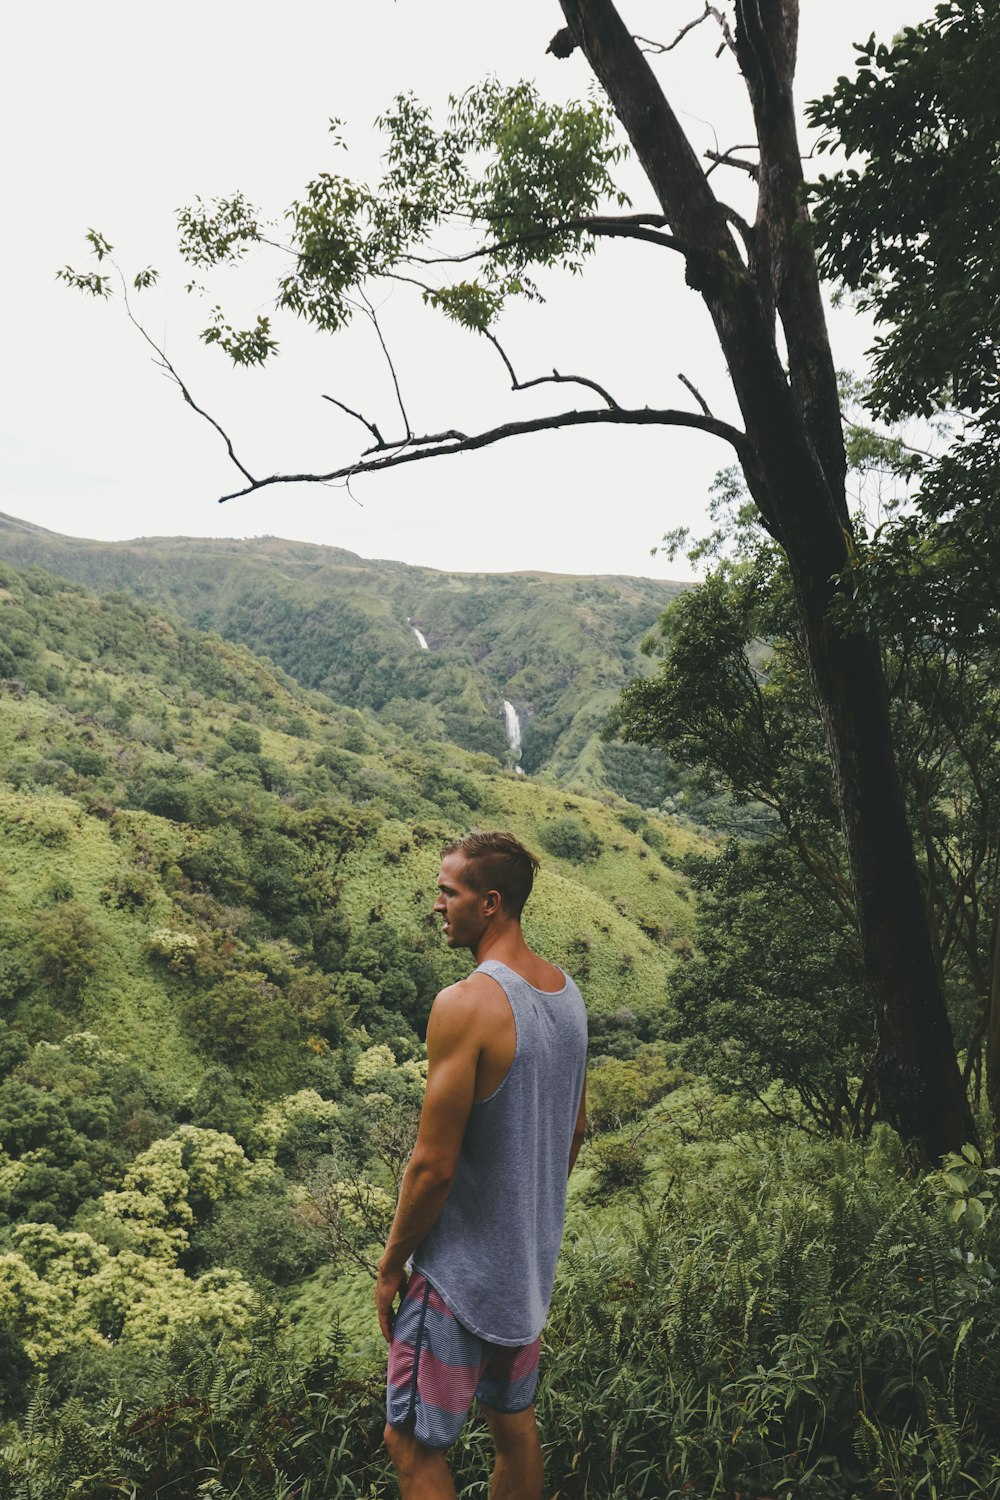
(507, 946)
(504, 944)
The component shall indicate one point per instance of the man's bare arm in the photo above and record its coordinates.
(453, 1049)
(580, 1128)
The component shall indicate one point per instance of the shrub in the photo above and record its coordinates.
(567, 838)
(618, 1166)
(243, 738)
(179, 950)
(67, 947)
(245, 1019)
(619, 1090)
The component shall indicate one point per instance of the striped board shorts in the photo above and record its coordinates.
(437, 1367)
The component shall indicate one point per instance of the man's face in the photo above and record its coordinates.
(462, 907)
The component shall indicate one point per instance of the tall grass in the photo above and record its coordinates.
(788, 1318)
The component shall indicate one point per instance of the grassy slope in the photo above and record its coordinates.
(612, 918)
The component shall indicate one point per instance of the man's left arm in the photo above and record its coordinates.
(453, 1051)
(580, 1128)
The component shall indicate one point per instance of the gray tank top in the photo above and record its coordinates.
(492, 1252)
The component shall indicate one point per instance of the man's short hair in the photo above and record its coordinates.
(498, 862)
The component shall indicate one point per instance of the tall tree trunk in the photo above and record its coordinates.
(795, 472)
(993, 1038)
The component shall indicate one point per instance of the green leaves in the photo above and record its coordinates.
(506, 164)
(217, 232)
(543, 164)
(98, 283)
(912, 231)
(245, 346)
(469, 303)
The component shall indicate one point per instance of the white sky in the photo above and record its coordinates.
(116, 115)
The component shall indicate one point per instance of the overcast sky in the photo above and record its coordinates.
(116, 115)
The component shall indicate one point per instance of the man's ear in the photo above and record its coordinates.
(491, 903)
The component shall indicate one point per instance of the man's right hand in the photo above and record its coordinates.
(389, 1285)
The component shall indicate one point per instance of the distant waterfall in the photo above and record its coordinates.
(421, 638)
(513, 724)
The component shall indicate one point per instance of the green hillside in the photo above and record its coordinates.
(558, 648)
(217, 959)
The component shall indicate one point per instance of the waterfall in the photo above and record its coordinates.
(513, 725)
(421, 638)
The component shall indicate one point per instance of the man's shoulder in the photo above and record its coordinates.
(468, 994)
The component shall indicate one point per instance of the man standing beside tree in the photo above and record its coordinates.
(482, 1202)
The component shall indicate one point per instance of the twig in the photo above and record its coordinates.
(388, 359)
(646, 45)
(695, 392)
(416, 448)
(357, 415)
(554, 379)
(727, 159)
(452, 435)
(164, 363)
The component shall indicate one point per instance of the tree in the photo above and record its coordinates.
(775, 995)
(920, 253)
(731, 700)
(536, 181)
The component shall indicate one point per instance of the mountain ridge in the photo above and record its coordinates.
(18, 523)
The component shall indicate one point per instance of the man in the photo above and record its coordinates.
(482, 1202)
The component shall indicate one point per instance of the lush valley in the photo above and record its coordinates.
(217, 960)
(216, 892)
(558, 648)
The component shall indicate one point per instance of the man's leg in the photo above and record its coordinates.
(422, 1472)
(517, 1474)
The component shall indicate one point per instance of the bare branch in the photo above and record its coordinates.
(695, 392)
(417, 448)
(554, 379)
(388, 358)
(727, 159)
(358, 417)
(645, 45)
(164, 364)
(410, 441)
(616, 226)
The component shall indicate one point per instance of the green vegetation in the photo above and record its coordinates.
(759, 1313)
(218, 958)
(559, 648)
(217, 961)
(776, 993)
